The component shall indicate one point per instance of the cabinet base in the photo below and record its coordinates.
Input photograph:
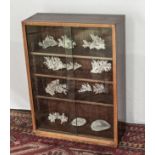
(79, 138)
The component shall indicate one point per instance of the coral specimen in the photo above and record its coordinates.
(75, 66)
(99, 66)
(97, 43)
(55, 87)
(100, 125)
(98, 88)
(79, 121)
(65, 42)
(52, 117)
(55, 63)
(47, 42)
(85, 87)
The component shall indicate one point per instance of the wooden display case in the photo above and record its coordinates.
(76, 75)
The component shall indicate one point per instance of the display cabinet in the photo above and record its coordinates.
(76, 75)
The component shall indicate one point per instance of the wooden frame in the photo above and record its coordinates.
(117, 25)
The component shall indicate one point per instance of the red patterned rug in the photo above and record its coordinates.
(24, 142)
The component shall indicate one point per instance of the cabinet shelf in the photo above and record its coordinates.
(72, 78)
(70, 56)
(75, 101)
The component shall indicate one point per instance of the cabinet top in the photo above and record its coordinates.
(74, 18)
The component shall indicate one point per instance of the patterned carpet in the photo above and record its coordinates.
(24, 142)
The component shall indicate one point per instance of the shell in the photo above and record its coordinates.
(79, 121)
(100, 125)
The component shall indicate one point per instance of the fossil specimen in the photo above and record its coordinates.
(97, 43)
(79, 121)
(55, 87)
(99, 66)
(100, 125)
(65, 42)
(52, 117)
(55, 63)
(85, 87)
(47, 42)
(98, 88)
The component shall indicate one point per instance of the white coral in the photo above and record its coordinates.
(52, 117)
(99, 66)
(85, 87)
(75, 66)
(55, 63)
(97, 43)
(47, 42)
(63, 118)
(65, 42)
(55, 87)
(98, 88)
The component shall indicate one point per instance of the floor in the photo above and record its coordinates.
(24, 142)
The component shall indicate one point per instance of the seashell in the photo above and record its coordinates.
(100, 125)
(97, 43)
(79, 121)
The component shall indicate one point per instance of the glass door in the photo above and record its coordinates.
(51, 63)
(94, 81)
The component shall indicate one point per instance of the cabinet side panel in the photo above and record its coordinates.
(120, 60)
(28, 76)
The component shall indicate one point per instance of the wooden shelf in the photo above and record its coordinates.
(70, 56)
(75, 101)
(72, 78)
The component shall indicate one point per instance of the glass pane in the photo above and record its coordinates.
(99, 120)
(45, 39)
(94, 92)
(48, 91)
(92, 41)
(53, 115)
